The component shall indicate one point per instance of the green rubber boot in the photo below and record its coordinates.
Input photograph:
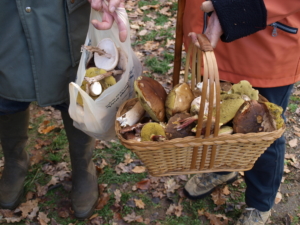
(13, 135)
(85, 193)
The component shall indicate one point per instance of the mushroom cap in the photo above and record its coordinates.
(104, 62)
(150, 129)
(107, 82)
(152, 97)
(171, 130)
(250, 117)
(179, 99)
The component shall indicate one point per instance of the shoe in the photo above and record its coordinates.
(13, 135)
(252, 216)
(84, 195)
(201, 185)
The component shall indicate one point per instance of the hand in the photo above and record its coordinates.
(109, 16)
(214, 29)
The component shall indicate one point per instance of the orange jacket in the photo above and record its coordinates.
(260, 58)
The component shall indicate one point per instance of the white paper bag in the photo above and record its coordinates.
(97, 117)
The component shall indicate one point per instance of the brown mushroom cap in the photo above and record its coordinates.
(171, 128)
(250, 117)
(179, 99)
(152, 97)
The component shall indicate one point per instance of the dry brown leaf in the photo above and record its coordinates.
(6, 213)
(27, 207)
(33, 214)
(139, 203)
(171, 185)
(296, 164)
(278, 197)
(44, 128)
(43, 219)
(128, 159)
(226, 191)
(143, 185)
(118, 195)
(143, 32)
(173, 209)
(293, 143)
(201, 212)
(237, 182)
(286, 169)
(63, 213)
(102, 201)
(13, 219)
(132, 217)
(139, 169)
(218, 197)
(158, 194)
(165, 10)
(214, 220)
(297, 133)
(122, 168)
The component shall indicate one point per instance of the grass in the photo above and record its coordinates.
(292, 107)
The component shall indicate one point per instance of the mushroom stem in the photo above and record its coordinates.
(95, 89)
(158, 138)
(187, 121)
(87, 88)
(102, 76)
(96, 49)
(132, 116)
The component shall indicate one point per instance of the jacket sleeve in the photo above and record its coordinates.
(279, 9)
(240, 18)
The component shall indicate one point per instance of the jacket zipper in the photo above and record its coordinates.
(283, 27)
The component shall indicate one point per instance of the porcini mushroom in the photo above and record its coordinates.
(153, 132)
(152, 97)
(179, 99)
(132, 116)
(95, 89)
(104, 61)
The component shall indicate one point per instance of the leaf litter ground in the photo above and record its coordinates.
(128, 194)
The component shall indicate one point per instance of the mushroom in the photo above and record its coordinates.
(275, 112)
(95, 89)
(179, 99)
(171, 128)
(152, 97)
(244, 88)
(153, 132)
(252, 117)
(110, 61)
(132, 116)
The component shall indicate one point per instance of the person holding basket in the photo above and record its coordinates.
(38, 61)
(259, 43)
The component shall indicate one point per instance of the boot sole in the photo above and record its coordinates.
(197, 197)
(83, 216)
(13, 205)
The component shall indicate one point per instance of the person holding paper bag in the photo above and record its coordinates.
(39, 59)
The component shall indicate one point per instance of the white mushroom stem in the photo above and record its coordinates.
(200, 87)
(132, 116)
(95, 89)
(96, 49)
(87, 89)
(102, 76)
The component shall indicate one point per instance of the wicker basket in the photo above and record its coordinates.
(199, 154)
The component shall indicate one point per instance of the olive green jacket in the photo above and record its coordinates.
(40, 48)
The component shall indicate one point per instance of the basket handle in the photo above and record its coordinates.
(210, 91)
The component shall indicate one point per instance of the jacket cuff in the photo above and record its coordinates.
(240, 18)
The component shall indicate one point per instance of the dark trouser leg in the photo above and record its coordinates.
(264, 178)
(14, 121)
(84, 194)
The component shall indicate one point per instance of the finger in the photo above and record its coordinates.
(96, 4)
(113, 4)
(194, 38)
(207, 6)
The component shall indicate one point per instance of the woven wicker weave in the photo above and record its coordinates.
(199, 154)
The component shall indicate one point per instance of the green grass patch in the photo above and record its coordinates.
(156, 65)
(293, 107)
(143, 3)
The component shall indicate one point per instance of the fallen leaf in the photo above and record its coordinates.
(102, 201)
(139, 203)
(226, 190)
(171, 185)
(173, 209)
(158, 194)
(218, 197)
(214, 219)
(278, 197)
(33, 214)
(132, 217)
(143, 32)
(143, 185)
(27, 207)
(139, 169)
(128, 159)
(118, 195)
(43, 219)
(293, 143)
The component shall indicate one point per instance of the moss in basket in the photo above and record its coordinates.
(152, 129)
(179, 99)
